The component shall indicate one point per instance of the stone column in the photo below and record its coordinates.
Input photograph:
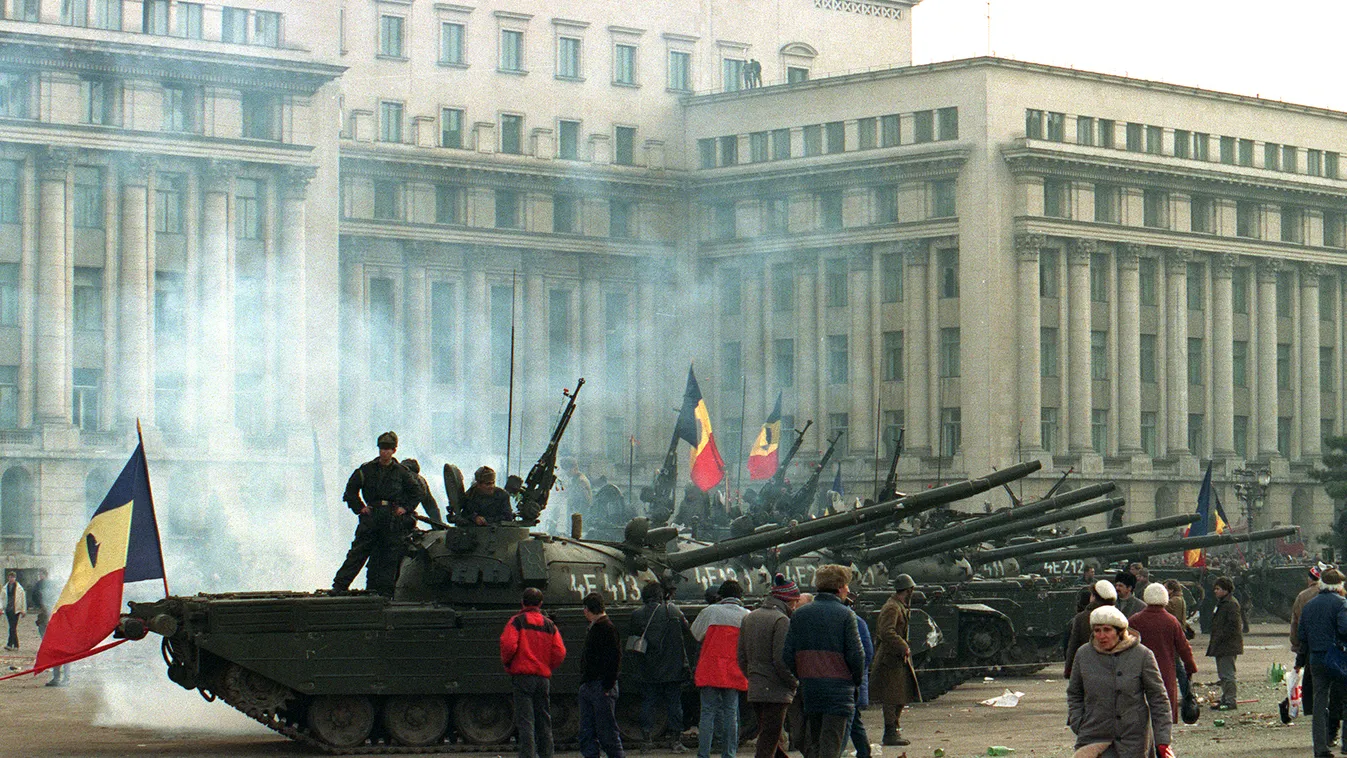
(1176, 375)
(1310, 432)
(417, 377)
(133, 313)
(1267, 357)
(1129, 349)
(53, 274)
(754, 353)
(476, 359)
(1029, 317)
(293, 296)
(1078, 341)
(593, 355)
(916, 332)
(537, 370)
(217, 299)
(355, 394)
(1222, 362)
(862, 430)
(807, 349)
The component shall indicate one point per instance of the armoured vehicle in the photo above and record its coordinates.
(367, 674)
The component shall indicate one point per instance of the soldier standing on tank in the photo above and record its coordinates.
(380, 491)
(485, 503)
(893, 682)
(424, 498)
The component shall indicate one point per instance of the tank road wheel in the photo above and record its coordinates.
(341, 720)
(415, 720)
(565, 719)
(484, 719)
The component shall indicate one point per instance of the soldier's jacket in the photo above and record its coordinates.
(494, 506)
(425, 499)
(374, 485)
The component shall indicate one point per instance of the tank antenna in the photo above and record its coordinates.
(509, 422)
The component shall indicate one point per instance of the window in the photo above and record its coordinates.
(624, 64)
(169, 192)
(1099, 430)
(75, 12)
(780, 144)
(923, 126)
(1099, 265)
(1331, 165)
(837, 358)
(450, 202)
(260, 116)
(723, 221)
(758, 147)
(948, 121)
(1197, 295)
(179, 108)
(568, 140)
(1333, 229)
(835, 282)
(84, 408)
(1047, 428)
(1283, 294)
(249, 201)
(563, 214)
(1289, 159)
(87, 200)
(234, 25)
(1241, 436)
(1182, 143)
(948, 261)
(783, 362)
(1048, 363)
(891, 278)
(624, 145)
(813, 140)
(839, 424)
(1194, 360)
(509, 210)
(1239, 363)
(1196, 438)
(9, 294)
(1147, 359)
(154, 17)
(775, 215)
(1155, 209)
(1203, 214)
(951, 432)
(795, 75)
(511, 134)
(1099, 356)
(391, 36)
(1284, 436)
(1107, 203)
(680, 71)
(451, 127)
(1033, 124)
(568, 58)
(1054, 127)
(783, 287)
(1148, 277)
(1283, 366)
(836, 134)
(267, 29)
(1135, 134)
(98, 99)
(1084, 136)
(886, 204)
(442, 332)
(1239, 290)
(1055, 198)
(830, 209)
(1201, 146)
(1327, 288)
(622, 219)
(867, 133)
(1293, 224)
(381, 320)
(1325, 369)
(1047, 273)
(1246, 152)
(451, 44)
(108, 15)
(390, 122)
(892, 347)
(511, 50)
(732, 75)
(1148, 444)
(949, 352)
(942, 199)
(1107, 131)
(1228, 150)
(1155, 139)
(1271, 156)
(890, 132)
(559, 335)
(729, 150)
(87, 299)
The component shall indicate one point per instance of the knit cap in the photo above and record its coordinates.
(1105, 589)
(1156, 594)
(784, 590)
(1107, 614)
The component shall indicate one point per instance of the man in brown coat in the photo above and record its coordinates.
(893, 682)
(1227, 640)
(771, 685)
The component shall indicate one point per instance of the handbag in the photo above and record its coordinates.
(1189, 633)
(1190, 710)
(637, 644)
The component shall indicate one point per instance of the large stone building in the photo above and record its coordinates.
(271, 232)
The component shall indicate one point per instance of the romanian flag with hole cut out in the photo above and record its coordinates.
(694, 426)
(1211, 520)
(120, 545)
(762, 459)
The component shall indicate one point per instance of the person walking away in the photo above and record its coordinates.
(719, 679)
(1103, 593)
(893, 682)
(1227, 640)
(1178, 608)
(860, 740)
(16, 607)
(1116, 701)
(380, 492)
(663, 668)
(599, 663)
(771, 685)
(1163, 636)
(823, 650)
(1323, 626)
(531, 648)
(1306, 677)
(1126, 583)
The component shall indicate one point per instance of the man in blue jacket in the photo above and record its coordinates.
(823, 649)
(1323, 625)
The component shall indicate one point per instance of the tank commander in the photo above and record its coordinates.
(381, 492)
(485, 503)
(424, 498)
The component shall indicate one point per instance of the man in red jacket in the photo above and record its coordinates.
(530, 648)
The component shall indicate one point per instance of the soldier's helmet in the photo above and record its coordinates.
(485, 475)
(412, 464)
(388, 440)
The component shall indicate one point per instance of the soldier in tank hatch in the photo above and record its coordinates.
(485, 503)
(382, 493)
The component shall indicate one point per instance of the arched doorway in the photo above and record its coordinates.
(1166, 501)
(16, 511)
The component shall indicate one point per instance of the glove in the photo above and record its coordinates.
(1163, 751)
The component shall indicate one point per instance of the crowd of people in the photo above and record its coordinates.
(806, 664)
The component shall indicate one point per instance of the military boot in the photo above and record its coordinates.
(892, 736)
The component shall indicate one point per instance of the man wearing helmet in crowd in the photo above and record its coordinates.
(382, 493)
(485, 503)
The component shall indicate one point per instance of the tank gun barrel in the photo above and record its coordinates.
(1066, 514)
(685, 560)
(1160, 547)
(1032, 548)
(974, 526)
(809, 544)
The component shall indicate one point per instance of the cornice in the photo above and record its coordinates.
(759, 179)
(112, 140)
(945, 228)
(495, 238)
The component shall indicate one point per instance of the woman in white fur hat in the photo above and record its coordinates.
(1116, 701)
(1163, 635)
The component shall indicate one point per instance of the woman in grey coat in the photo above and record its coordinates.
(1116, 702)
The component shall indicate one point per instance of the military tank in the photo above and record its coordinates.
(363, 673)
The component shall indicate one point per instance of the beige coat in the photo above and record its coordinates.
(892, 678)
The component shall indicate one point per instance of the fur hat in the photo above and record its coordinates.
(1105, 589)
(1156, 594)
(1331, 580)
(831, 577)
(783, 589)
(388, 440)
(1107, 614)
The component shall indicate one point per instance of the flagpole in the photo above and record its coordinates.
(739, 456)
(140, 438)
(509, 421)
(879, 416)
